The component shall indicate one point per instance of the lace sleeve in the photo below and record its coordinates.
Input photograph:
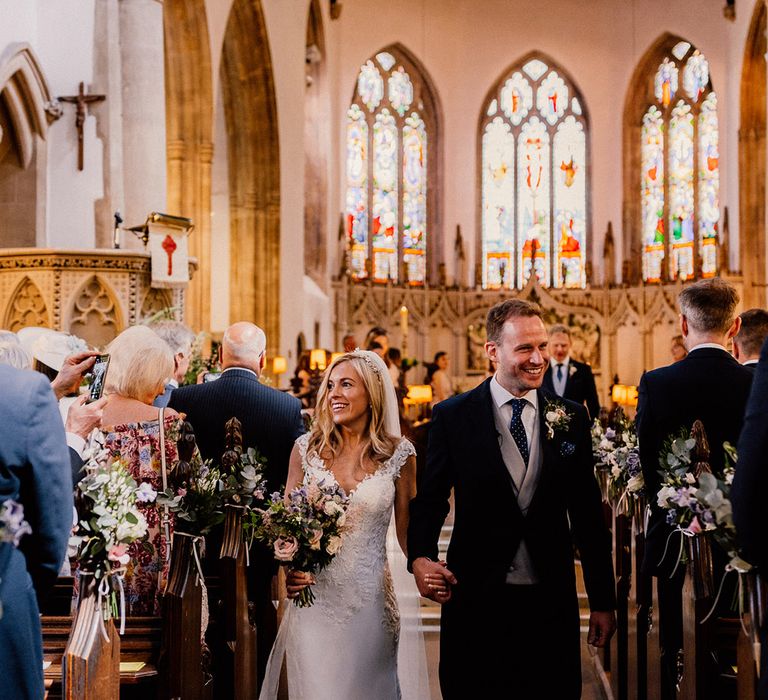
(301, 442)
(403, 450)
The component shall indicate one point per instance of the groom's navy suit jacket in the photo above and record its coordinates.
(464, 454)
(708, 385)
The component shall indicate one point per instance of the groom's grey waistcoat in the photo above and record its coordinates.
(525, 482)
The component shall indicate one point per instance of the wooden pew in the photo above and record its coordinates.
(622, 562)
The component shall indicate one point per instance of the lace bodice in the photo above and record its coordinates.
(360, 569)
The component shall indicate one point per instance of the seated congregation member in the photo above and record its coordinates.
(179, 338)
(565, 376)
(271, 422)
(140, 362)
(751, 336)
(677, 348)
(34, 471)
(750, 488)
(708, 385)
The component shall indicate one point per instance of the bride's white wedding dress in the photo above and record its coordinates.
(345, 646)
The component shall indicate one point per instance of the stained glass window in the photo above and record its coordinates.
(387, 200)
(534, 180)
(679, 163)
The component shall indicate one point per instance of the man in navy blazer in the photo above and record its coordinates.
(519, 462)
(271, 422)
(565, 376)
(34, 471)
(708, 385)
(751, 336)
(749, 489)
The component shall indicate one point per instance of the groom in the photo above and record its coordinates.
(519, 461)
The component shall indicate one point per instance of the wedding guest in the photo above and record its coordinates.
(179, 338)
(524, 489)
(271, 422)
(440, 381)
(140, 362)
(677, 348)
(565, 376)
(751, 336)
(8, 337)
(377, 341)
(349, 344)
(34, 471)
(708, 385)
(346, 645)
(301, 385)
(750, 487)
(11, 353)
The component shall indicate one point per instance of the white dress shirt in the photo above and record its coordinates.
(559, 384)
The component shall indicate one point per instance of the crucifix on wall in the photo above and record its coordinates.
(81, 100)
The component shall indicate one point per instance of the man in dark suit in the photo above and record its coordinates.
(565, 376)
(519, 462)
(751, 336)
(271, 422)
(709, 385)
(749, 489)
(34, 471)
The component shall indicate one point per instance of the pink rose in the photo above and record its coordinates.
(695, 527)
(286, 548)
(314, 539)
(182, 492)
(119, 554)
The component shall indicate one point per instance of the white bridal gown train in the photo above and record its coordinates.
(345, 646)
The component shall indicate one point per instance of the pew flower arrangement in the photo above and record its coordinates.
(12, 527)
(198, 501)
(617, 462)
(245, 483)
(109, 520)
(697, 504)
(304, 531)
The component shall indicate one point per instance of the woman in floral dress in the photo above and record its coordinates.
(140, 363)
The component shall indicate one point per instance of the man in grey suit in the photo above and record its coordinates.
(35, 472)
(271, 422)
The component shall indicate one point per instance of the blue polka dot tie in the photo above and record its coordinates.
(517, 428)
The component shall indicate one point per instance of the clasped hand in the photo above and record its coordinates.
(296, 581)
(433, 579)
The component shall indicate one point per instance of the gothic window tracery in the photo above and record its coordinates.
(534, 180)
(679, 162)
(390, 141)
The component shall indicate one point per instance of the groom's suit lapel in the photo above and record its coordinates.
(549, 455)
(482, 425)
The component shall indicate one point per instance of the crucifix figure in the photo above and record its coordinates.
(82, 101)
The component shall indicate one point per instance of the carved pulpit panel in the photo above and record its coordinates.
(27, 308)
(95, 313)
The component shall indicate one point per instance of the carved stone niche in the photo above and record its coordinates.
(93, 294)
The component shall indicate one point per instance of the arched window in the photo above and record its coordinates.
(679, 169)
(390, 155)
(533, 134)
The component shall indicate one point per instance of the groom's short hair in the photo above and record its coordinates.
(503, 311)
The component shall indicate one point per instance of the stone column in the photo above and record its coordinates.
(143, 95)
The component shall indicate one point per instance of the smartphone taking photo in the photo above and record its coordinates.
(99, 373)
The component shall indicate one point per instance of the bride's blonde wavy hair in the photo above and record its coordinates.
(325, 435)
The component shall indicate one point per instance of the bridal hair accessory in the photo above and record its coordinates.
(363, 354)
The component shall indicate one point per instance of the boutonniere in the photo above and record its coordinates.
(571, 370)
(556, 417)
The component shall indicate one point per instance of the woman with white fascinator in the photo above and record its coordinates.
(345, 646)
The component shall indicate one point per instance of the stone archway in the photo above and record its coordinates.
(25, 113)
(253, 154)
(752, 171)
(189, 127)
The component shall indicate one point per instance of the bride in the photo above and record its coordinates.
(345, 646)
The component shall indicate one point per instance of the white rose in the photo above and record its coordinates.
(551, 416)
(333, 545)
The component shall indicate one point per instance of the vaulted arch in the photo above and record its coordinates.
(189, 129)
(26, 109)
(752, 170)
(254, 172)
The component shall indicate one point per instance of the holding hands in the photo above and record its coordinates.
(433, 579)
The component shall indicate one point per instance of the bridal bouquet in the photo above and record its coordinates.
(617, 462)
(304, 530)
(696, 504)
